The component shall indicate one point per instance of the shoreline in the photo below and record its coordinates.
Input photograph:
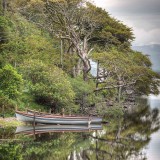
(9, 122)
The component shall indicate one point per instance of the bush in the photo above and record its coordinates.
(7, 106)
(48, 84)
(10, 82)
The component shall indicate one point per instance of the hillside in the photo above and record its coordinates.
(45, 53)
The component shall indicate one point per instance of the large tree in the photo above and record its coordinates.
(126, 71)
(80, 25)
(84, 25)
(71, 20)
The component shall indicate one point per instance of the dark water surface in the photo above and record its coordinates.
(134, 137)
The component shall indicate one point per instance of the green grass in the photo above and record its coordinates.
(10, 122)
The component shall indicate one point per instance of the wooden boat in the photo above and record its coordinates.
(55, 119)
(56, 128)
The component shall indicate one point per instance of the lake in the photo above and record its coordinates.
(152, 149)
(136, 136)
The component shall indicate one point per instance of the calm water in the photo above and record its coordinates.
(136, 136)
(153, 148)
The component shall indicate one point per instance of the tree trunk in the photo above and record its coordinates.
(120, 82)
(78, 69)
(119, 131)
(86, 68)
(82, 51)
(74, 72)
(119, 93)
(61, 57)
(4, 5)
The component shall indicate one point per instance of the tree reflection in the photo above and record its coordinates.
(126, 138)
(7, 133)
(122, 139)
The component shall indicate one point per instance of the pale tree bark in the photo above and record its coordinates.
(4, 5)
(71, 24)
(120, 83)
(81, 46)
(78, 67)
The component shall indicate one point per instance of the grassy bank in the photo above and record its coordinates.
(9, 122)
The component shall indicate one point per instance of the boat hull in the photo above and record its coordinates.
(56, 120)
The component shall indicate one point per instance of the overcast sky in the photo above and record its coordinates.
(143, 16)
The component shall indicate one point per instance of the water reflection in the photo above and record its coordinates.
(154, 101)
(39, 129)
(7, 133)
(152, 149)
(121, 139)
(124, 139)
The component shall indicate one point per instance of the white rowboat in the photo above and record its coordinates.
(55, 119)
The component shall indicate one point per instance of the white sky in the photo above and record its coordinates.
(143, 16)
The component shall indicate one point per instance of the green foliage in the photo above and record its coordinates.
(7, 106)
(48, 84)
(10, 151)
(26, 42)
(11, 82)
(110, 32)
(118, 63)
(84, 94)
(80, 87)
(27, 100)
(128, 69)
(3, 31)
(114, 112)
(141, 59)
(149, 81)
(69, 62)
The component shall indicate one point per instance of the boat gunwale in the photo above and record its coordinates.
(48, 114)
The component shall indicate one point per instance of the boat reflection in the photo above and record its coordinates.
(39, 129)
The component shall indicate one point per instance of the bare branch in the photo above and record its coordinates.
(115, 86)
